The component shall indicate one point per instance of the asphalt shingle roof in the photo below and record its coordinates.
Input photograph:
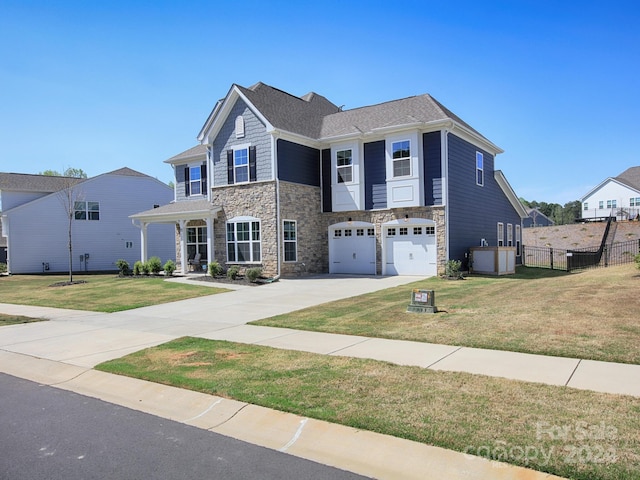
(24, 182)
(630, 177)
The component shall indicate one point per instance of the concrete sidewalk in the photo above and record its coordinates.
(63, 351)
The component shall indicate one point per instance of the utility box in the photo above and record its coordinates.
(493, 260)
(422, 301)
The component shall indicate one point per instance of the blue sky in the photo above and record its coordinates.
(102, 85)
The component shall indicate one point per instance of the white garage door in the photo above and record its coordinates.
(352, 248)
(410, 248)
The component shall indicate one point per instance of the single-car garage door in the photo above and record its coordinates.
(410, 247)
(352, 248)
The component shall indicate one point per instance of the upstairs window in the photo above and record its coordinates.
(479, 169)
(401, 155)
(195, 180)
(241, 165)
(344, 166)
(86, 210)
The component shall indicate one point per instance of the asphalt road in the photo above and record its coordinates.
(48, 433)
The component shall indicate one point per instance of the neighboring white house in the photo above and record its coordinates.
(36, 226)
(616, 196)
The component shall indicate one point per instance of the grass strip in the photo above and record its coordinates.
(97, 293)
(567, 432)
(6, 319)
(590, 315)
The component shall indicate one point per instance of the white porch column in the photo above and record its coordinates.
(183, 246)
(210, 242)
(143, 241)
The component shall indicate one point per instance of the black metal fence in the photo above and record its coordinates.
(580, 258)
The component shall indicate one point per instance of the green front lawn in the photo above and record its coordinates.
(590, 315)
(100, 293)
(490, 417)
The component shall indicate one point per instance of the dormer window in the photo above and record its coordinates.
(239, 126)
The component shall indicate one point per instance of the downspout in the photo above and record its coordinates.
(444, 139)
(5, 233)
(274, 156)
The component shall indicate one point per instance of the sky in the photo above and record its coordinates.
(104, 85)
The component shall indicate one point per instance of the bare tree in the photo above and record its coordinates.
(69, 196)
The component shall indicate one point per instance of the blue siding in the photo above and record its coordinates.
(474, 211)
(375, 174)
(432, 168)
(298, 163)
(326, 181)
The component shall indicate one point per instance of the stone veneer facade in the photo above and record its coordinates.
(301, 203)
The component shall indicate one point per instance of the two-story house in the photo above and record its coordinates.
(39, 212)
(298, 185)
(614, 197)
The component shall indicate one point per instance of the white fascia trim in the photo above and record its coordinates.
(474, 138)
(602, 184)
(296, 138)
(175, 217)
(187, 159)
(509, 193)
(218, 117)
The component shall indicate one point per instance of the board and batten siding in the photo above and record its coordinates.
(298, 163)
(375, 175)
(255, 134)
(39, 230)
(474, 211)
(432, 148)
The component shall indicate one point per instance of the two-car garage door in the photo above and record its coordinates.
(408, 248)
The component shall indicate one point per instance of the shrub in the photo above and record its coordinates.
(233, 272)
(3, 268)
(123, 267)
(637, 260)
(169, 268)
(452, 269)
(253, 274)
(139, 268)
(154, 265)
(215, 269)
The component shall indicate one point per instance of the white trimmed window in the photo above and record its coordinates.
(197, 243)
(612, 203)
(290, 241)
(479, 169)
(586, 206)
(601, 204)
(344, 166)
(401, 156)
(195, 180)
(86, 210)
(241, 165)
(243, 241)
(500, 234)
(509, 235)
(518, 240)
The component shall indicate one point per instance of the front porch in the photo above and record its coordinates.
(194, 222)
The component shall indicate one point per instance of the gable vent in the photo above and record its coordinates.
(239, 126)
